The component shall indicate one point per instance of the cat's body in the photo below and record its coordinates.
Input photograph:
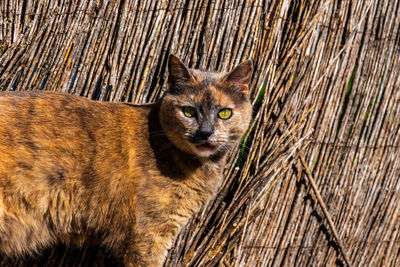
(71, 168)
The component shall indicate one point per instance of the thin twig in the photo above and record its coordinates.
(324, 209)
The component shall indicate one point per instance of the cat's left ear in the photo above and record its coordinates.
(240, 75)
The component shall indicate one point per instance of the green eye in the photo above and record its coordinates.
(225, 113)
(189, 111)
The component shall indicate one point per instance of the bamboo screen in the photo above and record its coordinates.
(316, 180)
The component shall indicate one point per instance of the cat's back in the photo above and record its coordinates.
(17, 108)
(28, 119)
(36, 104)
(60, 112)
(45, 130)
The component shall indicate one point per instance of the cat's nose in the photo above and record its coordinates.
(204, 134)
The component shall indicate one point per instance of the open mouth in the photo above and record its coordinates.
(205, 147)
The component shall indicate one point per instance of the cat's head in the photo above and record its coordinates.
(204, 113)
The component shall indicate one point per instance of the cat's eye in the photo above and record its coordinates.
(225, 113)
(189, 111)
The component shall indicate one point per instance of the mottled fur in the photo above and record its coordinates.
(129, 176)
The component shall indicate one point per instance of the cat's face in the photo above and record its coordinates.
(205, 113)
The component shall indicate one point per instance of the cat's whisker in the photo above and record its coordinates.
(239, 160)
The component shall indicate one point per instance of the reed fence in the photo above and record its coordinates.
(316, 181)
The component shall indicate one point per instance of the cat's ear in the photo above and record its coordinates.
(240, 76)
(178, 72)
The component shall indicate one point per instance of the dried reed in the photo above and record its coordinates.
(326, 93)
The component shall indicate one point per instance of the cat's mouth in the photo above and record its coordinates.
(205, 147)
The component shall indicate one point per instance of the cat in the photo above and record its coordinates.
(129, 176)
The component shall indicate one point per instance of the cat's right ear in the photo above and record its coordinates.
(178, 73)
(240, 76)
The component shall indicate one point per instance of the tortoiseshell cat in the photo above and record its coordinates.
(131, 176)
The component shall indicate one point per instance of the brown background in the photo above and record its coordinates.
(326, 86)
